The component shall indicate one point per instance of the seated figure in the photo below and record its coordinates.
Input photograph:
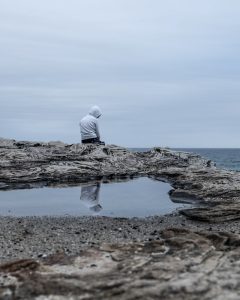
(89, 127)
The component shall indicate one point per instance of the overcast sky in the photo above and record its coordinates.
(165, 73)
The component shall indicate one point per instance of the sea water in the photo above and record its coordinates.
(225, 158)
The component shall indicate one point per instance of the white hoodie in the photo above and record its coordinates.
(89, 124)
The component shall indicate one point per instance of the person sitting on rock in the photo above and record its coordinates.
(89, 127)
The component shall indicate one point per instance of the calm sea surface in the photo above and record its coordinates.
(224, 158)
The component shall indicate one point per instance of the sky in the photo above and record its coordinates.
(164, 73)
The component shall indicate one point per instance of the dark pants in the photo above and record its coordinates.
(93, 141)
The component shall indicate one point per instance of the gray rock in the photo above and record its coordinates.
(27, 164)
(183, 264)
(47, 258)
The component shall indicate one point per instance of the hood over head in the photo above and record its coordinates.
(95, 111)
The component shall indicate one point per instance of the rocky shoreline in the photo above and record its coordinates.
(166, 257)
(193, 254)
(29, 164)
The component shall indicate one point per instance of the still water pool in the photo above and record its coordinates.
(139, 197)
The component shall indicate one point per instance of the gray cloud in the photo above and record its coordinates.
(164, 73)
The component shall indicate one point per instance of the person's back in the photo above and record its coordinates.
(89, 126)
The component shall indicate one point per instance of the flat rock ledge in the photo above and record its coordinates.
(181, 264)
(193, 178)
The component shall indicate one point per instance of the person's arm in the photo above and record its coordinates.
(97, 130)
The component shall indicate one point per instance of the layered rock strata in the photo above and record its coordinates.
(105, 258)
(194, 179)
(182, 264)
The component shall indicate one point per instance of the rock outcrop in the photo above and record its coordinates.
(194, 179)
(105, 258)
(182, 264)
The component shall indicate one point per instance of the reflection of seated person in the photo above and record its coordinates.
(90, 197)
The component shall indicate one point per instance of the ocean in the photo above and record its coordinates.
(225, 158)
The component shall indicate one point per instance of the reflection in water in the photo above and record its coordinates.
(140, 197)
(90, 197)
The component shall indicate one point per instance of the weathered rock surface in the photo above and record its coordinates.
(163, 257)
(29, 164)
(182, 264)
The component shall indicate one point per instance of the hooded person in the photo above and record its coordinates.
(89, 127)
